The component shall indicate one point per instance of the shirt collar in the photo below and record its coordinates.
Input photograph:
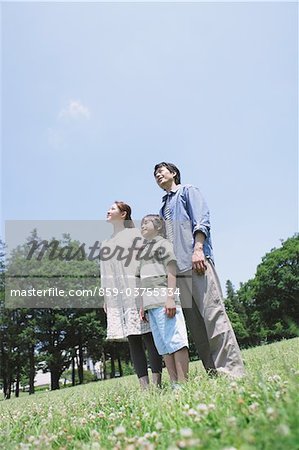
(171, 193)
(155, 239)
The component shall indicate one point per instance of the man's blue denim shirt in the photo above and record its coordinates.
(190, 214)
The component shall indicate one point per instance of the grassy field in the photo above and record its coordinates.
(257, 412)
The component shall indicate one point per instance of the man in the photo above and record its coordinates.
(188, 227)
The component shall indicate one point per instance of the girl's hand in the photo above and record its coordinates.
(142, 315)
(170, 308)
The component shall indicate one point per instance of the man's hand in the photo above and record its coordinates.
(170, 308)
(199, 260)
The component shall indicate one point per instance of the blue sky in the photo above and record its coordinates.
(93, 95)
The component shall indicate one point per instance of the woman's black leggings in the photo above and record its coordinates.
(138, 355)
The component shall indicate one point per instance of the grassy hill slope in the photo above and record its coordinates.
(257, 412)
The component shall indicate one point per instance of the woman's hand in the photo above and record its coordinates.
(170, 308)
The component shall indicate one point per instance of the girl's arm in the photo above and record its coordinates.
(170, 308)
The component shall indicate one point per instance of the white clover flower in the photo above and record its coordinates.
(143, 441)
(118, 431)
(191, 413)
(130, 447)
(202, 407)
(186, 407)
(254, 396)
(186, 432)
(232, 421)
(149, 446)
(95, 446)
(271, 413)
(194, 442)
(253, 407)
(159, 426)
(101, 414)
(95, 434)
(283, 429)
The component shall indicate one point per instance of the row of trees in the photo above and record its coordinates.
(264, 309)
(59, 335)
(60, 339)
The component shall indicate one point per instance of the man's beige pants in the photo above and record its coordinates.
(206, 318)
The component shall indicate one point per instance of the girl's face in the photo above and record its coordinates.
(148, 230)
(114, 214)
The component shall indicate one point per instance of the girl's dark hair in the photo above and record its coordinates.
(158, 223)
(124, 207)
(172, 168)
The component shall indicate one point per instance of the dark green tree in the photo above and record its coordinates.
(60, 328)
(276, 290)
(236, 313)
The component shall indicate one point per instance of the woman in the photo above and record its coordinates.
(118, 279)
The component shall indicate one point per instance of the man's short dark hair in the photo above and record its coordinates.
(172, 168)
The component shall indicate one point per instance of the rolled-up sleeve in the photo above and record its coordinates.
(198, 210)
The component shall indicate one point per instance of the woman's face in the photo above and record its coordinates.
(114, 214)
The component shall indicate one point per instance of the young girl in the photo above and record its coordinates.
(157, 272)
(118, 278)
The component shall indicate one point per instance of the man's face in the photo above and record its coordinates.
(164, 177)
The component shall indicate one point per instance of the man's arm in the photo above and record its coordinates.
(198, 257)
(198, 212)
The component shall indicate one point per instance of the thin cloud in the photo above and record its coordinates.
(75, 110)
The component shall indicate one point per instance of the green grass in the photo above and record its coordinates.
(257, 412)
